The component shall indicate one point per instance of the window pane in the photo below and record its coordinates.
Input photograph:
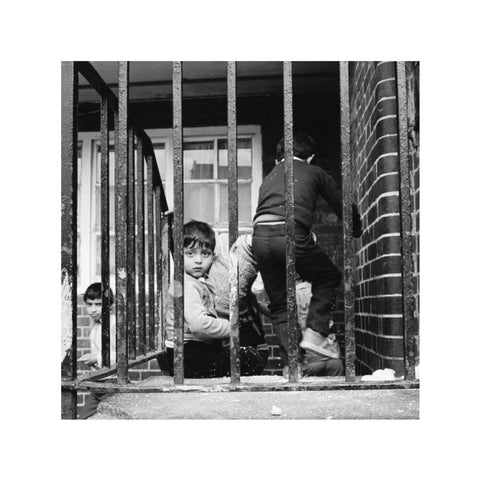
(199, 202)
(244, 202)
(244, 158)
(159, 149)
(79, 161)
(79, 204)
(98, 266)
(111, 201)
(111, 181)
(198, 160)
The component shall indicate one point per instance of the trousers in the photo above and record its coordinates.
(311, 263)
(210, 360)
(328, 368)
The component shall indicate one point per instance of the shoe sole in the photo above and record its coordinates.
(318, 350)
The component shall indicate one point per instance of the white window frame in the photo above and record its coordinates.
(89, 140)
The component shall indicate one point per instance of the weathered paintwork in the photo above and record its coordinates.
(151, 251)
(233, 218)
(131, 267)
(348, 260)
(290, 222)
(69, 234)
(178, 223)
(406, 228)
(105, 227)
(121, 206)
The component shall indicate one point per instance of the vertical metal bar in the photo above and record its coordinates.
(290, 222)
(116, 147)
(121, 223)
(178, 285)
(151, 254)
(69, 235)
(158, 257)
(131, 269)
(407, 261)
(347, 225)
(233, 219)
(105, 229)
(142, 321)
(165, 259)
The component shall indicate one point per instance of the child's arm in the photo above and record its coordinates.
(94, 357)
(198, 319)
(89, 358)
(333, 196)
(330, 192)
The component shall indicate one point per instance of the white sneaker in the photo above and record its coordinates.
(316, 343)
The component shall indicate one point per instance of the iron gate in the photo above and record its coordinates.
(165, 238)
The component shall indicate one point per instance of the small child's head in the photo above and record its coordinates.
(93, 300)
(198, 248)
(303, 147)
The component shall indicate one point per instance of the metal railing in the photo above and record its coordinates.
(129, 232)
(165, 234)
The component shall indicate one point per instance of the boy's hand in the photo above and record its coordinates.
(88, 358)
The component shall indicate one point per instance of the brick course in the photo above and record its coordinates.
(375, 159)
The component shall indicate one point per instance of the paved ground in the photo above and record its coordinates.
(324, 404)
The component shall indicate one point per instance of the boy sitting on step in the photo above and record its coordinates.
(205, 356)
(93, 301)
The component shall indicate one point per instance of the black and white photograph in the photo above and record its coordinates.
(211, 239)
(244, 229)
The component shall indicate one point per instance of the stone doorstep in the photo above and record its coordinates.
(399, 403)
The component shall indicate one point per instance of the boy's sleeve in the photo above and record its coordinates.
(218, 279)
(333, 196)
(242, 252)
(198, 319)
(96, 343)
(329, 191)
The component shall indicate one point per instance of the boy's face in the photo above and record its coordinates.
(197, 260)
(94, 308)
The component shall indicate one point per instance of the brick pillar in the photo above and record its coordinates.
(375, 159)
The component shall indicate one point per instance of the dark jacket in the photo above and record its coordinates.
(310, 182)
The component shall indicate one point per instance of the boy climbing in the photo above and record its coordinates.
(311, 262)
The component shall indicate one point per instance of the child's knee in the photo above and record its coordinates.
(335, 367)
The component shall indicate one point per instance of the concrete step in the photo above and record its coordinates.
(324, 404)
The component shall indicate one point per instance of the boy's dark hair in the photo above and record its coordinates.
(303, 146)
(94, 292)
(198, 233)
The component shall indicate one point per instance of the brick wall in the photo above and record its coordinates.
(140, 372)
(375, 160)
